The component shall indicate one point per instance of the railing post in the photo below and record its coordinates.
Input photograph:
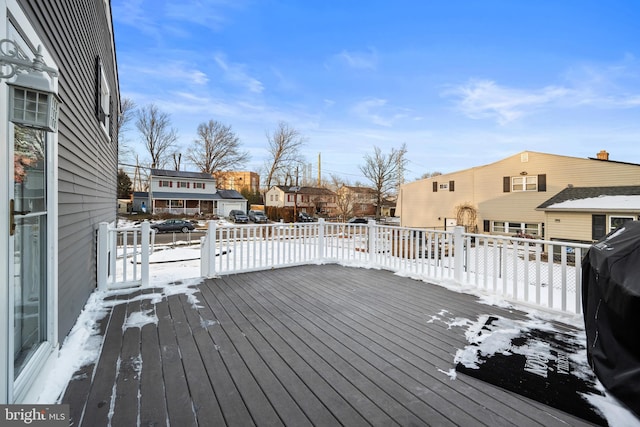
(144, 259)
(103, 255)
(208, 257)
(458, 254)
(371, 244)
(321, 226)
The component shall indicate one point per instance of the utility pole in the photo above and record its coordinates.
(319, 172)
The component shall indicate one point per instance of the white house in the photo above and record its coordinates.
(188, 193)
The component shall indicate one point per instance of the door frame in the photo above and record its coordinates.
(18, 390)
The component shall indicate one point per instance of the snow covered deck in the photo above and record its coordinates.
(308, 345)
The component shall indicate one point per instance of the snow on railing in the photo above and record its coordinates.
(546, 274)
(123, 255)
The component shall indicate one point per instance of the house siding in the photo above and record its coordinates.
(76, 33)
(483, 188)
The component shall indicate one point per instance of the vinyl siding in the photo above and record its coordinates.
(76, 32)
(482, 186)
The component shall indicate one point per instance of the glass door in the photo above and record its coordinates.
(28, 208)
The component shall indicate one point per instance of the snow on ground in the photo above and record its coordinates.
(176, 270)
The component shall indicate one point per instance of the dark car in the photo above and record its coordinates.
(173, 225)
(305, 217)
(358, 221)
(237, 216)
(258, 217)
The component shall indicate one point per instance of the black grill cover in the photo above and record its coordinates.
(611, 306)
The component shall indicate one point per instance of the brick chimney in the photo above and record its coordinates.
(603, 155)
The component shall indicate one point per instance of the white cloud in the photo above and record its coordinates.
(485, 99)
(236, 73)
(175, 71)
(378, 112)
(358, 60)
(608, 86)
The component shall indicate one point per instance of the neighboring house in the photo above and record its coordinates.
(503, 197)
(60, 180)
(312, 200)
(179, 192)
(357, 201)
(187, 193)
(239, 181)
(586, 214)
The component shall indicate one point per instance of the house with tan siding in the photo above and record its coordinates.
(586, 214)
(311, 200)
(505, 197)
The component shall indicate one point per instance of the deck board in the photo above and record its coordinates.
(318, 345)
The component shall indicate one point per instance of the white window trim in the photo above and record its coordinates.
(105, 104)
(611, 217)
(523, 187)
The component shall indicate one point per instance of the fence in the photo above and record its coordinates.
(544, 274)
(123, 255)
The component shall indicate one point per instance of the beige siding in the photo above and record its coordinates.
(569, 226)
(577, 225)
(419, 206)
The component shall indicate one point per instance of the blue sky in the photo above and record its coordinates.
(461, 83)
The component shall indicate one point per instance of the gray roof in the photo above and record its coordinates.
(577, 193)
(306, 190)
(230, 194)
(181, 174)
(218, 195)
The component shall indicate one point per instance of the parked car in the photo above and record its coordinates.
(305, 217)
(172, 225)
(358, 221)
(258, 217)
(238, 216)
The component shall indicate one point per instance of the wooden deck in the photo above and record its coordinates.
(314, 345)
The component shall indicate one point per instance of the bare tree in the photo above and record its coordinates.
(159, 138)
(383, 172)
(284, 152)
(177, 159)
(430, 175)
(344, 203)
(217, 148)
(125, 115)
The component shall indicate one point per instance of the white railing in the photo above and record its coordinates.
(123, 255)
(515, 269)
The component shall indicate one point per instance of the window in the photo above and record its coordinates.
(162, 183)
(103, 98)
(524, 183)
(183, 184)
(513, 227)
(199, 185)
(618, 221)
(444, 186)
